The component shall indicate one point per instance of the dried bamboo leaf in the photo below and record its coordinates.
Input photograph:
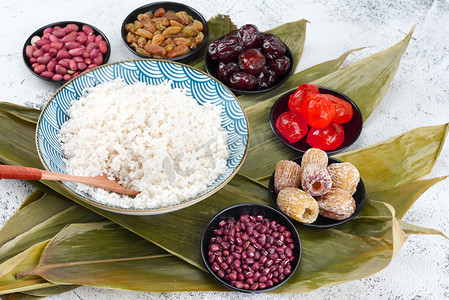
(399, 160)
(39, 221)
(26, 260)
(295, 80)
(414, 229)
(368, 80)
(107, 255)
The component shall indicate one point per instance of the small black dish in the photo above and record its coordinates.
(322, 222)
(211, 67)
(174, 6)
(234, 212)
(62, 24)
(352, 128)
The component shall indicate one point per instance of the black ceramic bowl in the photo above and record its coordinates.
(322, 222)
(62, 24)
(211, 67)
(352, 128)
(174, 6)
(234, 212)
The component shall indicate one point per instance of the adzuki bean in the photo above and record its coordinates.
(251, 253)
(63, 53)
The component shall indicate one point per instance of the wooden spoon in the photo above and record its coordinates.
(15, 172)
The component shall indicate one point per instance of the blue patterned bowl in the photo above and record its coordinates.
(202, 87)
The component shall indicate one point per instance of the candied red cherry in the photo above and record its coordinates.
(272, 46)
(292, 126)
(250, 36)
(280, 65)
(295, 101)
(212, 50)
(243, 81)
(225, 70)
(251, 61)
(318, 110)
(229, 47)
(343, 110)
(266, 78)
(327, 138)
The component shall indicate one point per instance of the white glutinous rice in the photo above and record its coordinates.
(151, 138)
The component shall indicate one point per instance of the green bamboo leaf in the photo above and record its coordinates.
(368, 80)
(295, 80)
(39, 221)
(50, 291)
(19, 296)
(25, 260)
(25, 113)
(107, 255)
(399, 160)
(218, 26)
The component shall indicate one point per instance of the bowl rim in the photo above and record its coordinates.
(153, 211)
(106, 56)
(181, 58)
(358, 208)
(329, 152)
(262, 206)
(288, 53)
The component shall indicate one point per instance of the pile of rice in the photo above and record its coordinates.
(152, 139)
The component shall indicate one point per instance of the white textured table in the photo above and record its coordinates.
(419, 96)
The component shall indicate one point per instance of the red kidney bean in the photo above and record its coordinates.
(87, 30)
(240, 276)
(224, 265)
(214, 247)
(244, 255)
(262, 285)
(226, 253)
(239, 284)
(212, 258)
(219, 259)
(246, 286)
(233, 275)
(291, 246)
(47, 74)
(287, 233)
(287, 271)
(269, 263)
(236, 263)
(254, 286)
(229, 259)
(288, 252)
(269, 283)
(220, 273)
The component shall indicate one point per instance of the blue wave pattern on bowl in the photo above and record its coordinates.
(201, 87)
